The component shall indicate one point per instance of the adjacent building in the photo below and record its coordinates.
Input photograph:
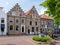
(3, 22)
(46, 23)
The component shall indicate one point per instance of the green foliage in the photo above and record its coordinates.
(42, 39)
(53, 9)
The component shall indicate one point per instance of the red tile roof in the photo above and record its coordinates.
(28, 12)
(45, 16)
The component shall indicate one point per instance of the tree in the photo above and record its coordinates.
(53, 9)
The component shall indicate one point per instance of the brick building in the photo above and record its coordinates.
(29, 22)
(46, 23)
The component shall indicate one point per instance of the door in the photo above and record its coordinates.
(28, 31)
(32, 29)
(2, 27)
(22, 28)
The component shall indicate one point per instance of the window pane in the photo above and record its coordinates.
(36, 28)
(17, 28)
(11, 19)
(16, 20)
(11, 27)
(2, 20)
(22, 21)
(32, 29)
(35, 23)
(30, 22)
(30, 16)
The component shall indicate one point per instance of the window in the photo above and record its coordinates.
(31, 16)
(42, 22)
(22, 21)
(17, 21)
(33, 11)
(36, 28)
(2, 27)
(17, 8)
(30, 22)
(22, 28)
(32, 29)
(17, 27)
(20, 14)
(35, 23)
(11, 19)
(2, 20)
(11, 27)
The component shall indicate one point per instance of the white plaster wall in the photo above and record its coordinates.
(3, 15)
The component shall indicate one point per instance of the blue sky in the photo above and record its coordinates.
(24, 4)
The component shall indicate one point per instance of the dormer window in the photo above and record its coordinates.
(21, 14)
(33, 11)
(31, 16)
(17, 8)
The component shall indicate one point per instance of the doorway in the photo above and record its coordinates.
(28, 31)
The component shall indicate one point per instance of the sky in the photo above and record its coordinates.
(24, 4)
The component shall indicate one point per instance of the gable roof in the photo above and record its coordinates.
(29, 11)
(45, 16)
(14, 8)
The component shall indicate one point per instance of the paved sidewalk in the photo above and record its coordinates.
(19, 40)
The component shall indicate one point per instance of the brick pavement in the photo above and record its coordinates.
(19, 40)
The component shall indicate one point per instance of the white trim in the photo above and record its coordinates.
(21, 28)
(31, 32)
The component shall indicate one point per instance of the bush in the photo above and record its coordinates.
(42, 39)
(36, 38)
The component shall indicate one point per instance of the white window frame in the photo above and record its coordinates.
(10, 18)
(21, 28)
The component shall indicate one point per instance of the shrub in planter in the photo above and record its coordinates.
(36, 38)
(42, 39)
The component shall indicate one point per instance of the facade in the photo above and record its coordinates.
(3, 22)
(15, 17)
(29, 22)
(47, 23)
(32, 21)
(23, 23)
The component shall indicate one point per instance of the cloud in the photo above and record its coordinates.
(7, 3)
(42, 10)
